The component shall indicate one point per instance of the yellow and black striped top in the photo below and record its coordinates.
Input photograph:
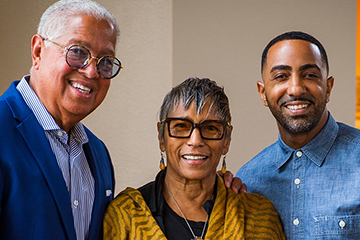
(234, 216)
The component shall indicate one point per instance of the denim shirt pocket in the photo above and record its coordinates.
(337, 227)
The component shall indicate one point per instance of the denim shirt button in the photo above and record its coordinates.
(296, 222)
(299, 153)
(297, 181)
(342, 224)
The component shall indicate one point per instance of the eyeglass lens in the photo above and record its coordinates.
(209, 129)
(78, 57)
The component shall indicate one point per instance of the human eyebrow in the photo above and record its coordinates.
(74, 41)
(307, 66)
(280, 67)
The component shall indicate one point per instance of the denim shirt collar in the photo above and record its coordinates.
(316, 150)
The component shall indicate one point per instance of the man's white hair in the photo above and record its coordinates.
(53, 22)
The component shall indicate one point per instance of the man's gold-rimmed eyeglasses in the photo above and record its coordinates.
(78, 56)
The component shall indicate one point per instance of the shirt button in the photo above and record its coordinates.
(342, 224)
(59, 133)
(299, 153)
(296, 222)
(76, 203)
(297, 181)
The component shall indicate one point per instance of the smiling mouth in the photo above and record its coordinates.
(297, 107)
(192, 157)
(81, 88)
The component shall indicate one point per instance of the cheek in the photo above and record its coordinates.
(54, 61)
(172, 148)
(217, 150)
(103, 89)
(274, 93)
(57, 73)
(318, 91)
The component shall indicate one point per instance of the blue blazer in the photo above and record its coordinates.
(35, 202)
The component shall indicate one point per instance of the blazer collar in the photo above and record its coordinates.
(34, 136)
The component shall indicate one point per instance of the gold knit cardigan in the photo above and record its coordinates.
(234, 216)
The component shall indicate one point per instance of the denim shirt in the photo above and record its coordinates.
(315, 189)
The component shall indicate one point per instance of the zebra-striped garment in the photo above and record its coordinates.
(234, 216)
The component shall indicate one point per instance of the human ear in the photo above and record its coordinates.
(329, 84)
(37, 45)
(161, 138)
(261, 90)
(227, 142)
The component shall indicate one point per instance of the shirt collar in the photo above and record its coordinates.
(36, 106)
(79, 134)
(316, 150)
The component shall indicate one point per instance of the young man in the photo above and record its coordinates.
(311, 173)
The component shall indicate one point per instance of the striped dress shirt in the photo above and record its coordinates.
(70, 156)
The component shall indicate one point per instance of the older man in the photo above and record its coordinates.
(56, 177)
(311, 173)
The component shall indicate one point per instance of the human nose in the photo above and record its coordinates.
(296, 86)
(195, 138)
(91, 69)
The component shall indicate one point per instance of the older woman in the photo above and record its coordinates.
(188, 200)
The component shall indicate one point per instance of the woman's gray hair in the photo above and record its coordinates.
(199, 91)
(53, 21)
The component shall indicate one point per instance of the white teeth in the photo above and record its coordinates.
(296, 107)
(81, 88)
(191, 157)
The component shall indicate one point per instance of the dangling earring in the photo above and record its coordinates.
(223, 169)
(162, 163)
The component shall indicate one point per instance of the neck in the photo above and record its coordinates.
(190, 196)
(298, 140)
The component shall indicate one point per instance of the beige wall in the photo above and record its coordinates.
(223, 40)
(164, 42)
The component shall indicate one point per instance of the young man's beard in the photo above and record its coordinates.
(298, 124)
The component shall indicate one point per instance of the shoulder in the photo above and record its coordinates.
(253, 206)
(128, 217)
(261, 217)
(254, 200)
(269, 150)
(127, 200)
(147, 191)
(243, 200)
(256, 212)
(12, 104)
(97, 146)
(264, 154)
(128, 204)
(129, 193)
(12, 94)
(348, 134)
(10, 91)
(147, 188)
(250, 200)
(264, 159)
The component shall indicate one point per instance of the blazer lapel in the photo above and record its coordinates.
(96, 217)
(38, 144)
